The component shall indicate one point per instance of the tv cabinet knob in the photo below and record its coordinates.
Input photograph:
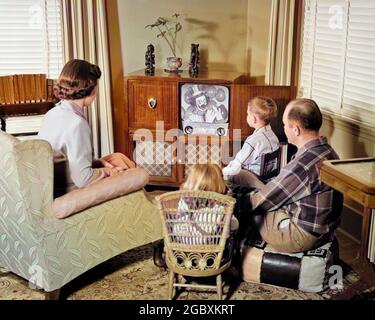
(152, 102)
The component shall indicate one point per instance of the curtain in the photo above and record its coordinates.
(85, 37)
(280, 52)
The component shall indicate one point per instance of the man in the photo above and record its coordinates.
(300, 212)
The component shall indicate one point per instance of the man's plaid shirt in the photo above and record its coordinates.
(298, 191)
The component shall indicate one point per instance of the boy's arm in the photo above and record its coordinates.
(232, 168)
(246, 154)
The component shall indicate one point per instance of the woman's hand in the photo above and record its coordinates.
(106, 164)
(118, 161)
(111, 172)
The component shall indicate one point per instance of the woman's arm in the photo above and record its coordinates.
(79, 155)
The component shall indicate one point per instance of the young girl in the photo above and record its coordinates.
(66, 128)
(203, 177)
(206, 177)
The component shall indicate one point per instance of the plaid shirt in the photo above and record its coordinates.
(298, 191)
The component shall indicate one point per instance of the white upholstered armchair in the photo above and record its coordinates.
(50, 252)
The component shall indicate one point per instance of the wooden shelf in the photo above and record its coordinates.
(221, 77)
(25, 108)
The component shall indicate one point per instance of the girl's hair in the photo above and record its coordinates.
(264, 107)
(205, 177)
(77, 80)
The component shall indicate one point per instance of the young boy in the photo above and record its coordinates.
(260, 111)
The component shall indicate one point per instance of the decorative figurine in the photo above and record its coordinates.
(194, 59)
(150, 60)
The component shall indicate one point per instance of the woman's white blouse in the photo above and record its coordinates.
(67, 130)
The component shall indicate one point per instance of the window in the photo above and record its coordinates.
(31, 37)
(338, 57)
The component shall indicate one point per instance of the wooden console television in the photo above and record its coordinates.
(153, 98)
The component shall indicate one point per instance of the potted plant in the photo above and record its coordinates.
(168, 29)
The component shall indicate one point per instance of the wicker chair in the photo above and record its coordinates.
(196, 227)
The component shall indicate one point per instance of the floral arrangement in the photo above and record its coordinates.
(168, 29)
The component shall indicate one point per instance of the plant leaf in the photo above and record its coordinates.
(162, 20)
(161, 34)
(178, 27)
(153, 25)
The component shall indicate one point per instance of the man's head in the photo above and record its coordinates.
(302, 121)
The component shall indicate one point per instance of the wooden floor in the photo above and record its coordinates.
(349, 253)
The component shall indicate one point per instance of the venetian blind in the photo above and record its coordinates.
(338, 60)
(359, 84)
(31, 37)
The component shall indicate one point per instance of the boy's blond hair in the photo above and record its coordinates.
(264, 107)
(205, 177)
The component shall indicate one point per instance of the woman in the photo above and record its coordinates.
(66, 128)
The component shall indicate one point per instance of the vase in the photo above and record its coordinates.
(174, 64)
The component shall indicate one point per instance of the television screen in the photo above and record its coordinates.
(204, 109)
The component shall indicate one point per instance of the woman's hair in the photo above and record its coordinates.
(77, 80)
(265, 108)
(205, 177)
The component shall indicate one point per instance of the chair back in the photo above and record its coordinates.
(26, 178)
(196, 226)
(270, 165)
(26, 187)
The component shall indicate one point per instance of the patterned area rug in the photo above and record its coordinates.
(368, 294)
(132, 275)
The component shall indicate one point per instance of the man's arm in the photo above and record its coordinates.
(291, 185)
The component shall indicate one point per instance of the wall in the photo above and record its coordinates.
(350, 140)
(224, 29)
(258, 27)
